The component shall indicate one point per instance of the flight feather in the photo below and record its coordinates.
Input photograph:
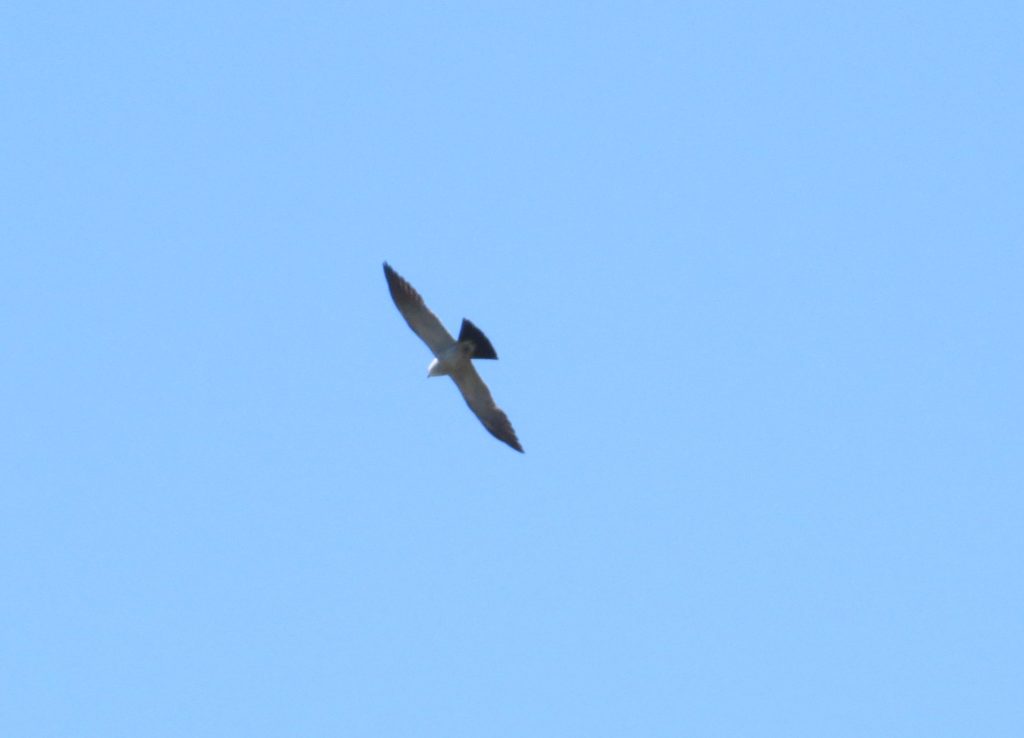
(423, 322)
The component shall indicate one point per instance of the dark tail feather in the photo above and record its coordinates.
(482, 348)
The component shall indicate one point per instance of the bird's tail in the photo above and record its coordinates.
(482, 348)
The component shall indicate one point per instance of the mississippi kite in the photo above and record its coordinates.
(453, 357)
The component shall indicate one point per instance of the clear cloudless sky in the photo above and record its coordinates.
(755, 275)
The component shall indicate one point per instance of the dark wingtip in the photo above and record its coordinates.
(395, 281)
(482, 348)
(392, 278)
(509, 439)
(514, 443)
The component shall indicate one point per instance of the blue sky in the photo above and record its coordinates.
(754, 272)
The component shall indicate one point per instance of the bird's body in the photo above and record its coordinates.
(451, 360)
(453, 357)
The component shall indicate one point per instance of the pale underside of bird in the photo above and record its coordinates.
(454, 357)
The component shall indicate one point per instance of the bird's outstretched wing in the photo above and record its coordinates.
(479, 399)
(423, 322)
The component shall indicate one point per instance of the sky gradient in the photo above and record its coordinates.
(754, 274)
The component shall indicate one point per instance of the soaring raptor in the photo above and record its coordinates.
(453, 357)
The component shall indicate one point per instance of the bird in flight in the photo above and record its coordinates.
(452, 357)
